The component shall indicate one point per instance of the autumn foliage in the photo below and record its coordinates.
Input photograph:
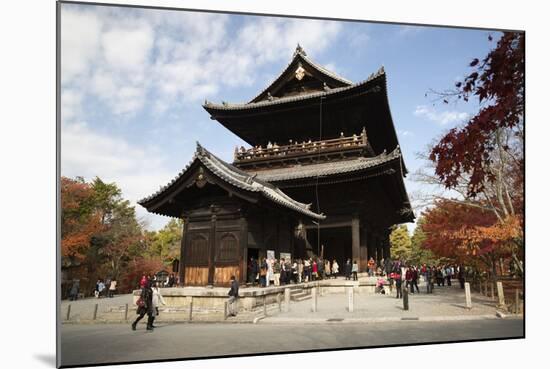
(463, 233)
(483, 161)
(101, 237)
(79, 223)
(498, 82)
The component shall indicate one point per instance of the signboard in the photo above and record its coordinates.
(285, 255)
(271, 254)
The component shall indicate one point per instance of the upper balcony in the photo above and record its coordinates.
(275, 155)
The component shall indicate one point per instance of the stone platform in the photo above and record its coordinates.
(207, 303)
(213, 298)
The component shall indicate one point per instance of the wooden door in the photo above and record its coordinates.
(196, 259)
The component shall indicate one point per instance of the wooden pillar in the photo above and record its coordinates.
(355, 237)
(211, 254)
(182, 250)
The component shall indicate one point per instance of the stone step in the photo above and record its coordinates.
(270, 308)
(299, 295)
(302, 298)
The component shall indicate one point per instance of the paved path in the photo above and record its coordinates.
(94, 344)
(84, 308)
(445, 303)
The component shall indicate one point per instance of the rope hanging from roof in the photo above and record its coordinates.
(317, 177)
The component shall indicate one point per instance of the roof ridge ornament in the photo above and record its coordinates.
(250, 179)
(299, 50)
(200, 150)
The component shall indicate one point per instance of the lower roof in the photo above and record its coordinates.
(326, 169)
(232, 176)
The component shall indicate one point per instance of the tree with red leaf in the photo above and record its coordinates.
(79, 222)
(467, 234)
(483, 159)
(498, 82)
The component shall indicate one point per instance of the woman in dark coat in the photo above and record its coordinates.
(147, 308)
(347, 269)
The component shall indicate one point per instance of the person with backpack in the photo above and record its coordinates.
(145, 306)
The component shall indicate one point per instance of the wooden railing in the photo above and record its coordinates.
(309, 147)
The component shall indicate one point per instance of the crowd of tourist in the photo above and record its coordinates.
(393, 274)
(264, 272)
(410, 275)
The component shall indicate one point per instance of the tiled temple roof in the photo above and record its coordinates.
(237, 178)
(275, 101)
(326, 169)
(301, 55)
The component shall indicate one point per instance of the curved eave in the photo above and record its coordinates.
(231, 175)
(346, 167)
(216, 109)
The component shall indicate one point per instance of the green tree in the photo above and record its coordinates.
(166, 243)
(400, 243)
(419, 253)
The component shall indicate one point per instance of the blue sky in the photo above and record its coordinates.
(133, 82)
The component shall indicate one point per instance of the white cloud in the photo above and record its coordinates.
(137, 171)
(120, 57)
(80, 40)
(442, 118)
(129, 60)
(71, 100)
(128, 49)
(404, 133)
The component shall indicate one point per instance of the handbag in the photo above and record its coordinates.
(140, 302)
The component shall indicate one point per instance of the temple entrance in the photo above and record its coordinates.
(336, 241)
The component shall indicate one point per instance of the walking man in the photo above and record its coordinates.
(233, 296)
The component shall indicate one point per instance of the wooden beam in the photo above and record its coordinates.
(331, 225)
